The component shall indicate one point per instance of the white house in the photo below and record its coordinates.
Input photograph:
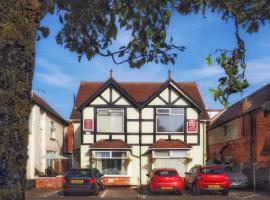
(125, 129)
(46, 135)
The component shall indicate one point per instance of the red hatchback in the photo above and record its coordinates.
(165, 180)
(207, 178)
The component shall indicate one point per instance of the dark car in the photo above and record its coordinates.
(236, 177)
(165, 180)
(83, 181)
(207, 178)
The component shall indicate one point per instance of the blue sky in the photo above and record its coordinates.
(58, 73)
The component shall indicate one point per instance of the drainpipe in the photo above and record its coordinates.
(140, 144)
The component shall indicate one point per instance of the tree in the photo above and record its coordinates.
(248, 15)
(89, 28)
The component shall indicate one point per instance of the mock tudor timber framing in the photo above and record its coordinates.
(111, 84)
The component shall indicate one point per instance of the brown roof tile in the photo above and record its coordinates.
(253, 101)
(44, 105)
(110, 144)
(169, 144)
(139, 91)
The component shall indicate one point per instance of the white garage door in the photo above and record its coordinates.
(177, 163)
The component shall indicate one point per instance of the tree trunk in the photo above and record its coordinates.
(19, 20)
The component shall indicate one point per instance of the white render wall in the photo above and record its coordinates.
(197, 153)
(39, 139)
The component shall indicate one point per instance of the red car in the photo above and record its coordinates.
(207, 178)
(165, 179)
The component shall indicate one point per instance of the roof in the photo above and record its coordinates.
(170, 144)
(252, 102)
(110, 144)
(44, 105)
(139, 91)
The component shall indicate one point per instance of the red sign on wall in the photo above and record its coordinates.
(87, 124)
(192, 126)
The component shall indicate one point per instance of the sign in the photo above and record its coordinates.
(87, 124)
(192, 126)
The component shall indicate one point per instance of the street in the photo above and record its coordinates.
(127, 193)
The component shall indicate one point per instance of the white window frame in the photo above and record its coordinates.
(170, 154)
(110, 157)
(110, 110)
(169, 113)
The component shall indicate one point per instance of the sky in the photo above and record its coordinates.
(58, 73)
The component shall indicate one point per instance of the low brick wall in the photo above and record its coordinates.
(116, 181)
(49, 182)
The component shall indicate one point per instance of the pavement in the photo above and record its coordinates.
(134, 193)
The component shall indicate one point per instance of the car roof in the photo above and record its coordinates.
(170, 169)
(211, 166)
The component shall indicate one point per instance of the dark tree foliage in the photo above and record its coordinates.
(89, 29)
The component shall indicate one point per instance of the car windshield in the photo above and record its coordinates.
(166, 173)
(230, 169)
(79, 173)
(212, 170)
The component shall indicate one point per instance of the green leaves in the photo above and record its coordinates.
(208, 60)
(91, 27)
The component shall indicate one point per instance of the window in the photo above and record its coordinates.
(111, 162)
(179, 153)
(170, 120)
(110, 120)
(171, 154)
(166, 173)
(53, 129)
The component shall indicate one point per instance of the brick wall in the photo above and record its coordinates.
(262, 132)
(116, 181)
(49, 183)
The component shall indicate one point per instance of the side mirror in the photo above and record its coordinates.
(147, 175)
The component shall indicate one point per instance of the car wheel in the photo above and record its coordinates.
(101, 187)
(149, 190)
(195, 190)
(96, 190)
(180, 192)
(225, 192)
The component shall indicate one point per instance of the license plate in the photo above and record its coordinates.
(213, 186)
(76, 181)
(166, 188)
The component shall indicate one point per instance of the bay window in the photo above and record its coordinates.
(110, 120)
(111, 162)
(170, 120)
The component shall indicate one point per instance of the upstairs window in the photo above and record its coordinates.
(170, 120)
(110, 120)
(53, 129)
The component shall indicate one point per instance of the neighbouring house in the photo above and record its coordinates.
(46, 135)
(125, 129)
(241, 135)
(213, 112)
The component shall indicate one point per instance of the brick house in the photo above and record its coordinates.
(125, 129)
(241, 134)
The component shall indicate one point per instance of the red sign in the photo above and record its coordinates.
(87, 124)
(192, 126)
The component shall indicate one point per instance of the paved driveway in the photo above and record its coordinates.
(127, 193)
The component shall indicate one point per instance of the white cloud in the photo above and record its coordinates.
(258, 70)
(51, 74)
